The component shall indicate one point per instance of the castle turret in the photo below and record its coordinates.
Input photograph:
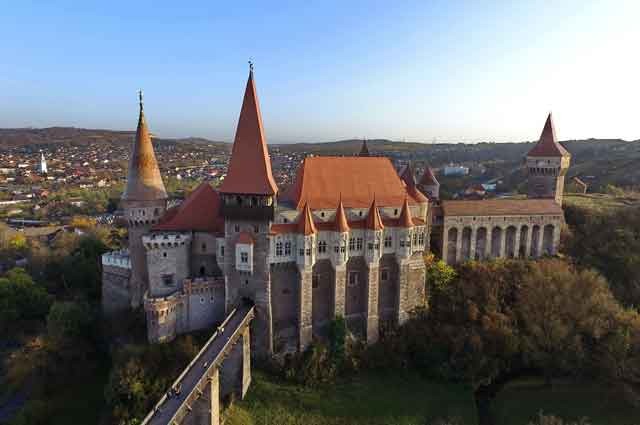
(429, 184)
(249, 198)
(547, 165)
(144, 201)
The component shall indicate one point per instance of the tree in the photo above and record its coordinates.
(21, 299)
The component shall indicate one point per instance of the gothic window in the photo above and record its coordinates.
(353, 278)
(384, 275)
(244, 257)
(352, 244)
(359, 244)
(421, 239)
(278, 249)
(415, 239)
(287, 248)
(322, 247)
(167, 279)
(388, 241)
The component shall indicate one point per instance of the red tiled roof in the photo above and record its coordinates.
(245, 238)
(250, 166)
(501, 207)
(282, 228)
(144, 182)
(305, 222)
(322, 180)
(548, 145)
(199, 212)
(373, 221)
(405, 216)
(340, 222)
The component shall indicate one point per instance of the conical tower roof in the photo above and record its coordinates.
(548, 145)
(407, 176)
(306, 225)
(144, 182)
(340, 223)
(374, 221)
(249, 167)
(405, 219)
(429, 178)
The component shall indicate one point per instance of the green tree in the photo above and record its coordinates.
(21, 299)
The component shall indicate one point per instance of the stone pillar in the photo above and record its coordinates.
(458, 245)
(556, 238)
(527, 246)
(246, 361)
(231, 372)
(540, 240)
(340, 288)
(305, 315)
(516, 252)
(445, 245)
(214, 397)
(503, 243)
(403, 291)
(472, 246)
(372, 303)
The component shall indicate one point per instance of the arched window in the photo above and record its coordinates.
(322, 246)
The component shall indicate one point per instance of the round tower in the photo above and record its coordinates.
(144, 201)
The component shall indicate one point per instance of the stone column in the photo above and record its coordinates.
(540, 240)
(556, 238)
(445, 245)
(403, 292)
(214, 397)
(372, 303)
(305, 315)
(527, 246)
(472, 246)
(231, 372)
(340, 287)
(458, 245)
(503, 242)
(516, 252)
(246, 361)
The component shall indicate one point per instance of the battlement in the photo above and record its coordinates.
(165, 240)
(199, 285)
(118, 258)
(158, 306)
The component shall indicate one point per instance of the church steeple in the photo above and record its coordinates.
(364, 150)
(250, 167)
(144, 182)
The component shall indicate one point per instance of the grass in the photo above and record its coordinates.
(372, 399)
(599, 202)
(520, 401)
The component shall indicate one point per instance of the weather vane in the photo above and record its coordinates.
(140, 98)
(250, 65)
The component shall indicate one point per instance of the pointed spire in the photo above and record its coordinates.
(374, 221)
(364, 150)
(340, 223)
(405, 219)
(408, 176)
(306, 225)
(250, 167)
(548, 145)
(429, 178)
(144, 182)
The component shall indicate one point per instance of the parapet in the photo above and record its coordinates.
(118, 258)
(165, 240)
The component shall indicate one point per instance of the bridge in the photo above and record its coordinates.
(222, 368)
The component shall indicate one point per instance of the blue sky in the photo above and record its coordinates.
(416, 71)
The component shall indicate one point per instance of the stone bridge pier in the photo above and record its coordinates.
(219, 373)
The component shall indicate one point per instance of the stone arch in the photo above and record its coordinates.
(322, 298)
(510, 242)
(452, 241)
(496, 242)
(481, 243)
(522, 249)
(535, 240)
(285, 305)
(465, 249)
(547, 240)
(356, 295)
(388, 288)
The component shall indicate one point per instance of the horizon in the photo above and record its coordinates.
(444, 72)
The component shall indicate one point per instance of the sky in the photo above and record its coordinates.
(420, 71)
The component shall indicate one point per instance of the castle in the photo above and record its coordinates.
(347, 239)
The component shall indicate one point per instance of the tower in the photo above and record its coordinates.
(430, 185)
(364, 150)
(144, 201)
(248, 202)
(43, 164)
(547, 164)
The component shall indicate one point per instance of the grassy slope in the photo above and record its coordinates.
(599, 202)
(521, 401)
(398, 399)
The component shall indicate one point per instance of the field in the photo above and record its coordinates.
(371, 399)
(520, 402)
(599, 202)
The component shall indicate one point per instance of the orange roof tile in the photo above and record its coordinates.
(501, 207)
(144, 182)
(305, 222)
(428, 178)
(405, 216)
(548, 145)
(250, 166)
(245, 238)
(322, 180)
(340, 223)
(200, 211)
(373, 221)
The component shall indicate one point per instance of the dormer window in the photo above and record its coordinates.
(244, 257)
